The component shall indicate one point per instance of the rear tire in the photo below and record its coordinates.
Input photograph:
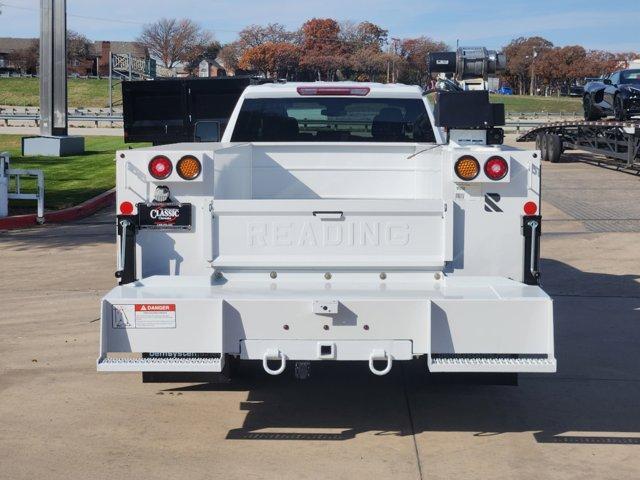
(554, 148)
(544, 140)
(618, 109)
(590, 113)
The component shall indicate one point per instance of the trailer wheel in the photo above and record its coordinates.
(544, 141)
(618, 109)
(539, 141)
(554, 147)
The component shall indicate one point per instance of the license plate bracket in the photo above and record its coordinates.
(166, 216)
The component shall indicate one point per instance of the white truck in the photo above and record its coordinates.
(333, 221)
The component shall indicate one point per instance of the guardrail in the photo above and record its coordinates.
(514, 121)
(73, 117)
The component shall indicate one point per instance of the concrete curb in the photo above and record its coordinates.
(60, 216)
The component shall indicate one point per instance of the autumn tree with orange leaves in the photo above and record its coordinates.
(279, 60)
(323, 53)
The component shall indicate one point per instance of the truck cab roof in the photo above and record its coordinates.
(389, 90)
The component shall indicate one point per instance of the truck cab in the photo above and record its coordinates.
(334, 221)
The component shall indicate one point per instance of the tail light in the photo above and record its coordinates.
(530, 208)
(467, 167)
(189, 167)
(160, 167)
(126, 208)
(496, 168)
(338, 91)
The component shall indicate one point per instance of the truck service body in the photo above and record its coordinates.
(330, 223)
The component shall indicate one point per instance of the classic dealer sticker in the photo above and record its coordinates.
(144, 315)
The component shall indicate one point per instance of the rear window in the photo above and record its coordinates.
(332, 119)
(630, 76)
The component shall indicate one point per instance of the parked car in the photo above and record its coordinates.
(617, 95)
(504, 90)
(576, 90)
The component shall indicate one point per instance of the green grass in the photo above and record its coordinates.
(525, 103)
(94, 93)
(25, 92)
(69, 180)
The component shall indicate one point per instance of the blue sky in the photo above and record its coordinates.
(612, 25)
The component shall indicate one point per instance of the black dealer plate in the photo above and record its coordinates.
(165, 216)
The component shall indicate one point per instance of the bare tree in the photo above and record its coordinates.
(26, 59)
(78, 47)
(230, 56)
(174, 41)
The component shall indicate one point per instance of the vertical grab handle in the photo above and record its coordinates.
(532, 260)
(123, 244)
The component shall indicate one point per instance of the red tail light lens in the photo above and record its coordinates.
(355, 91)
(160, 167)
(126, 208)
(496, 168)
(530, 208)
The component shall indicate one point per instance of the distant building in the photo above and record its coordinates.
(212, 68)
(10, 49)
(96, 64)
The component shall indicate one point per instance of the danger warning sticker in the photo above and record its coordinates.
(155, 315)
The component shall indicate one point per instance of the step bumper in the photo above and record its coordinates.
(461, 324)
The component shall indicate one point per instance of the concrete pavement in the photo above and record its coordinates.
(59, 419)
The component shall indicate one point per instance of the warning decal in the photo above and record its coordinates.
(155, 315)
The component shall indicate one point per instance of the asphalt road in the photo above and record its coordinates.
(59, 419)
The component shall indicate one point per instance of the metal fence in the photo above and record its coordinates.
(514, 121)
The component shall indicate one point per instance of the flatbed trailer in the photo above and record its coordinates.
(619, 142)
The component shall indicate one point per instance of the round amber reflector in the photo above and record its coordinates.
(189, 167)
(467, 167)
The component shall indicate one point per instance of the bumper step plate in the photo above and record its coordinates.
(192, 364)
(489, 363)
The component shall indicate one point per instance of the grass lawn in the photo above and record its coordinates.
(526, 103)
(68, 180)
(25, 92)
(95, 93)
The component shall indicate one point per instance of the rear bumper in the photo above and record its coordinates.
(462, 324)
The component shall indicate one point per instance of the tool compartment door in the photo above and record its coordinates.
(339, 233)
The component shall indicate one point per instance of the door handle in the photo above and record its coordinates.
(329, 215)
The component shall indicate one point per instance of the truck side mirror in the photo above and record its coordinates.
(207, 131)
(607, 81)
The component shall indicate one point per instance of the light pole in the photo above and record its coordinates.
(53, 139)
(532, 86)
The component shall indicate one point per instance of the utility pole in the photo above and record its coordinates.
(53, 139)
(532, 85)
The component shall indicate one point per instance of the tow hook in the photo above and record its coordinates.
(274, 354)
(380, 355)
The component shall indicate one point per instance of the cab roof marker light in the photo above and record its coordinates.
(337, 91)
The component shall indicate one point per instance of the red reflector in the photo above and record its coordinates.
(496, 168)
(160, 167)
(356, 91)
(530, 208)
(126, 208)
